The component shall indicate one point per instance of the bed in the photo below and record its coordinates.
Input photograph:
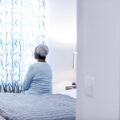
(37, 107)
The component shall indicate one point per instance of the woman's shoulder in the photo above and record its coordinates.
(39, 64)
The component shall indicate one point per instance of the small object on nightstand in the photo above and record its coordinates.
(71, 87)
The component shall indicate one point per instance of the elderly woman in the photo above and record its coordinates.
(38, 79)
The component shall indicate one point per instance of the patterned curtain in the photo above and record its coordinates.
(22, 26)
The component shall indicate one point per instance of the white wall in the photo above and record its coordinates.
(61, 39)
(98, 59)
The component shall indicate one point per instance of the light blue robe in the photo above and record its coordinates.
(38, 79)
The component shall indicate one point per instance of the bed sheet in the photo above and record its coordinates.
(1, 118)
(71, 92)
(37, 107)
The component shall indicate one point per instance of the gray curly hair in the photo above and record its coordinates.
(41, 51)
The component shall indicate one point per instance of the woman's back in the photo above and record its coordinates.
(40, 76)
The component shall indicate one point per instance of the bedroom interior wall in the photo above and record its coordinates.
(99, 59)
(61, 39)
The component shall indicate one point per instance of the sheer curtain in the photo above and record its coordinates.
(22, 26)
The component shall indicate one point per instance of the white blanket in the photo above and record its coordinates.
(71, 92)
(37, 107)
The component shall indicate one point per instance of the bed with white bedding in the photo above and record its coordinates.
(71, 92)
(37, 107)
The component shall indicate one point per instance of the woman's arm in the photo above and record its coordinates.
(28, 79)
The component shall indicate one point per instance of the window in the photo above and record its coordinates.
(22, 27)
